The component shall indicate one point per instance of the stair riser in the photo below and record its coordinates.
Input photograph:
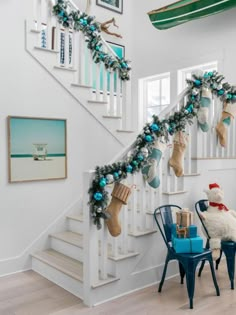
(67, 249)
(75, 226)
(111, 123)
(72, 285)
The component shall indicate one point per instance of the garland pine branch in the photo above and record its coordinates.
(157, 128)
(80, 21)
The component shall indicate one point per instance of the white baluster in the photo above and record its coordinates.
(89, 66)
(124, 106)
(104, 253)
(48, 21)
(39, 14)
(98, 82)
(124, 235)
(233, 139)
(66, 62)
(112, 103)
(142, 202)
(82, 61)
(118, 95)
(115, 247)
(133, 208)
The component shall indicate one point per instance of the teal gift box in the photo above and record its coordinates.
(173, 230)
(187, 245)
(192, 231)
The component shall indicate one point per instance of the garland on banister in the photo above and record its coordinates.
(80, 21)
(137, 157)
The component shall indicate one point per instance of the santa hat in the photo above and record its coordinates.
(214, 185)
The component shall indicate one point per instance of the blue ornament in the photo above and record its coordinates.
(135, 163)
(197, 82)
(97, 48)
(192, 97)
(210, 74)
(65, 19)
(190, 108)
(221, 92)
(116, 175)
(98, 196)
(129, 169)
(206, 75)
(124, 65)
(61, 13)
(140, 157)
(102, 182)
(154, 127)
(229, 96)
(234, 97)
(92, 28)
(148, 138)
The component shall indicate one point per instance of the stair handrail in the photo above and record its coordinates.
(108, 47)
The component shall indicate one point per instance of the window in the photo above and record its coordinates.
(155, 94)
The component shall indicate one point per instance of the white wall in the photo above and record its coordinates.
(27, 209)
(189, 44)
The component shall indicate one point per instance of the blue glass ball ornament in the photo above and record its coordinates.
(102, 182)
(61, 13)
(190, 108)
(229, 96)
(135, 163)
(154, 127)
(197, 82)
(140, 157)
(221, 92)
(98, 196)
(129, 168)
(116, 175)
(206, 75)
(234, 97)
(92, 28)
(210, 74)
(148, 138)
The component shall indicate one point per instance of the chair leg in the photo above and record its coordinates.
(163, 275)
(182, 273)
(230, 260)
(190, 280)
(214, 276)
(218, 260)
(201, 268)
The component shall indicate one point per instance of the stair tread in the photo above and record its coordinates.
(174, 192)
(125, 131)
(142, 233)
(69, 237)
(81, 85)
(78, 217)
(113, 117)
(192, 174)
(97, 102)
(47, 49)
(65, 68)
(63, 263)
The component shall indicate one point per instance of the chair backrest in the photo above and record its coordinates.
(164, 225)
(201, 206)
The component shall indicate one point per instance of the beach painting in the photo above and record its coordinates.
(113, 5)
(36, 148)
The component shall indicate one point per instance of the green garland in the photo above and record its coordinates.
(158, 128)
(80, 21)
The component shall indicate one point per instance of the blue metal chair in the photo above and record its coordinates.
(227, 247)
(187, 262)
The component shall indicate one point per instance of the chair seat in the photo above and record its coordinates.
(193, 255)
(228, 243)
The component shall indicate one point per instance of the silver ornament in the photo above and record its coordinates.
(99, 210)
(195, 91)
(109, 178)
(144, 152)
(219, 86)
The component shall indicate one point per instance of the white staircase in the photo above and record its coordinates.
(90, 263)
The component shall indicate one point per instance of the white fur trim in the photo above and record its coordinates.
(202, 115)
(215, 243)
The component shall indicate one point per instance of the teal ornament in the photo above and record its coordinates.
(234, 97)
(229, 96)
(148, 138)
(129, 169)
(190, 108)
(192, 97)
(154, 127)
(206, 75)
(197, 82)
(135, 163)
(98, 196)
(65, 19)
(97, 48)
(116, 175)
(92, 28)
(210, 74)
(221, 92)
(102, 182)
(61, 13)
(140, 157)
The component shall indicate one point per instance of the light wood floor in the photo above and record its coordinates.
(28, 293)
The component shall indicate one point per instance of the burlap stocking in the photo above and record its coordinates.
(176, 160)
(227, 116)
(120, 195)
(150, 169)
(203, 111)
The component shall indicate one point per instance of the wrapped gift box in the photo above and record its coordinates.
(192, 231)
(174, 230)
(187, 245)
(184, 218)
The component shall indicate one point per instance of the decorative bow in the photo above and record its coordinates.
(220, 206)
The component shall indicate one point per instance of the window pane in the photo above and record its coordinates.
(165, 91)
(154, 111)
(153, 93)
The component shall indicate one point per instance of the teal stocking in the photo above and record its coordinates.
(149, 170)
(203, 111)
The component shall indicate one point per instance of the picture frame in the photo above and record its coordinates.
(113, 5)
(37, 148)
(120, 51)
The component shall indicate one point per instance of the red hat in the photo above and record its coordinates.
(213, 186)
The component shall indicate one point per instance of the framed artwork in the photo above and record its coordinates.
(36, 148)
(120, 52)
(113, 5)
